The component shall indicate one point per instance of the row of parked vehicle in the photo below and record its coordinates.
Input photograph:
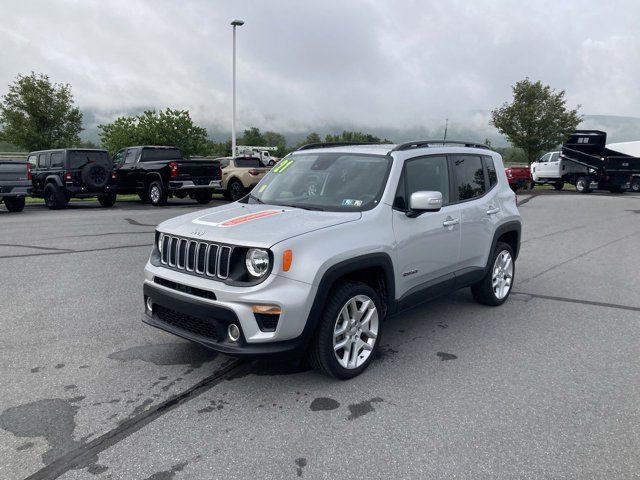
(154, 173)
(585, 161)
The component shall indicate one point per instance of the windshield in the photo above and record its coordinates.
(325, 181)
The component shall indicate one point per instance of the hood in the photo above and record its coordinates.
(253, 225)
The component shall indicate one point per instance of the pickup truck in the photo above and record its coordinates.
(519, 176)
(586, 162)
(157, 173)
(15, 184)
(240, 175)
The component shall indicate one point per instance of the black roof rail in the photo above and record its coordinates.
(334, 144)
(428, 143)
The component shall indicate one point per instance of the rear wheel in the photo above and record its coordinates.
(157, 194)
(495, 287)
(54, 197)
(14, 204)
(203, 197)
(582, 184)
(558, 184)
(349, 332)
(107, 200)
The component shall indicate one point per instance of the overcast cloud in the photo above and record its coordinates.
(316, 65)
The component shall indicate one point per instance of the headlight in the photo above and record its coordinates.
(159, 242)
(257, 262)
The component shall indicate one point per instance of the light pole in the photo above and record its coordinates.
(235, 23)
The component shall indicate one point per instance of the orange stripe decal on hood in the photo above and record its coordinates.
(247, 218)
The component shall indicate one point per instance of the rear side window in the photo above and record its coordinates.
(152, 154)
(491, 171)
(79, 158)
(224, 162)
(554, 157)
(248, 163)
(42, 160)
(469, 177)
(57, 159)
(33, 160)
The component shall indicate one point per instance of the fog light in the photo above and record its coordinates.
(149, 304)
(234, 332)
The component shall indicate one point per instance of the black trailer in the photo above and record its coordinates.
(609, 169)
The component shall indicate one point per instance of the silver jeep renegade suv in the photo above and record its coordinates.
(330, 244)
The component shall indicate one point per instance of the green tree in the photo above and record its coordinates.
(273, 139)
(313, 137)
(36, 114)
(537, 119)
(252, 137)
(347, 136)
(168, 127)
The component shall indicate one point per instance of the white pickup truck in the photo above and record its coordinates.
(587, 162)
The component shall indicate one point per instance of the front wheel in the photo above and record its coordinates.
(349, 332)
(157, 194)
(582, 185)
(236, 190)
(54, 197)
(495, 287)
(14, 204)
(107, 200)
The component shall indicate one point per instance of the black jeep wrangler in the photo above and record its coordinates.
(59, 175)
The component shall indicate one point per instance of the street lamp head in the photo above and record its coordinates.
(237, 23)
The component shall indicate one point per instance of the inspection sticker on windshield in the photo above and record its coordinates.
(261, 189)
(351, 203)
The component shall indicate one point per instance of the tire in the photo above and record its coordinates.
(95, 176)
(107, 200)
(235, 190)
(14, 204)
(582, 185)
(558, 185)
(180, 195)
(157, 194)
(54, 197)
(322, 354)
(484, 291)
(203, 197)
(144, 197)
(635, 185)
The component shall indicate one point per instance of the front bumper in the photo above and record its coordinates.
(189, 185)
(206, 320)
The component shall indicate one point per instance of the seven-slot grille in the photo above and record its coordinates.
(195, 257)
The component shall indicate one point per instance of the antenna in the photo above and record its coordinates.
(446, 126)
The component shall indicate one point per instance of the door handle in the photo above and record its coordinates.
(492, 210)
(450, 222)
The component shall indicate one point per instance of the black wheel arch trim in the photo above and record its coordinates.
(342, 269)
(507, 227)
(53, 179)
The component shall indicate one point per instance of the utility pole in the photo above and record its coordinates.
(235, 23)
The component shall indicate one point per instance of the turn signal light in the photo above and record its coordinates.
(267, 309)
(287, 258)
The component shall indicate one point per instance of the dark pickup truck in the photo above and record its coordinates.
(156, 173)
(15, 184)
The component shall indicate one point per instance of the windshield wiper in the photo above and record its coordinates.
(303, 207)
(255, 198)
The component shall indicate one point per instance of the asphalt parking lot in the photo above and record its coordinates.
(546, 386)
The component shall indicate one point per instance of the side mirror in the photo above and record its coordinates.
(421, 202)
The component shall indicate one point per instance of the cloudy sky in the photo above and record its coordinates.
(326, 64)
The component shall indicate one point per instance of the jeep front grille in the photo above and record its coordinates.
(204, 259)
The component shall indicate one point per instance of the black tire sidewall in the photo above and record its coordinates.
(162, 199)
(14, 204)
(235, 187)
(483, 290)
(107, 200)
(324, 335)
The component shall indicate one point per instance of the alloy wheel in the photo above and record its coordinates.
(502, 278)
(355, 332)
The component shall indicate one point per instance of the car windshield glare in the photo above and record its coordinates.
(325, 181)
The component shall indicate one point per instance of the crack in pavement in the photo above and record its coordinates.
(36, 247)
(579, 301)
(68, 252)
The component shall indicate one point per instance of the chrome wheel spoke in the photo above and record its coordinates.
(355, 332)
